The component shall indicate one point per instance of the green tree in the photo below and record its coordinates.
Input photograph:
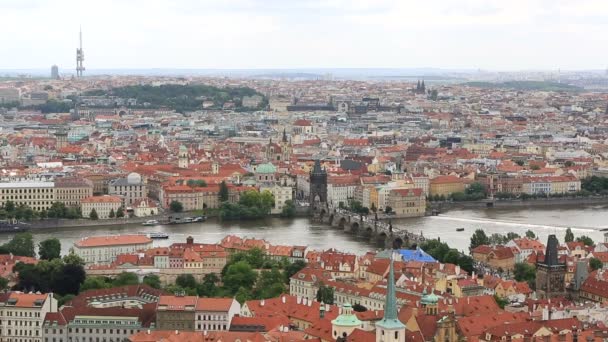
(21, 244)
(152, 280)
(49, 249)
(120, 212)
(530, 234)
(595, 264)
(359, 308)
(388, 209)
(186, 281)
(524, 272)
(93, 215)
(223, 193)
(73, 259)
(239, 275)
(270, 284)
(502, 302)
(68, 280)
(325, 294)
(479, 238)
(94, 283)
(176, 206)
(125, 278)
(208, 287)
(289, 209)
(112, 214)
(242, 295)
(292, 268)
(3, 283)
(569, 236)
(586, 240)
(9, 206)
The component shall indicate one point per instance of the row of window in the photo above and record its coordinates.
(26, 191)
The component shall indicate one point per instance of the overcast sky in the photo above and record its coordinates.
(487, 34)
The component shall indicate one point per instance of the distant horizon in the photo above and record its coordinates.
(518, 35)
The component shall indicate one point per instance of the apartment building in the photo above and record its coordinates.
(104, 249)
(36, 194)
(176, 313)
(213, 314)
(131, 188)
(23, 316)
(72, 190)
(407, 202)
(103, 205)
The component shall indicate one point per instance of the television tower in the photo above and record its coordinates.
(79, 57)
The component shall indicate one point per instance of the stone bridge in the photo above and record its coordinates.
(378, 231)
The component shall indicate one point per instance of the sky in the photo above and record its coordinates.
(259, 34)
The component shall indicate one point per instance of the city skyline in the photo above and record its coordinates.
(521, 35)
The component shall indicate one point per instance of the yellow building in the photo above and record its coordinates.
(446, 185)
(407, 202)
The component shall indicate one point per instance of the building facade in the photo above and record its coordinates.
(104, 249)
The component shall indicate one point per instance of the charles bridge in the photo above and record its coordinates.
(378, 230)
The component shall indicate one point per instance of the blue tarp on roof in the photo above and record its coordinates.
(416, 255)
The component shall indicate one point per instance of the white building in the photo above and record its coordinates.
(213, 314)
(130, 189)
(103, 205)
(104, 249)
(23, 315)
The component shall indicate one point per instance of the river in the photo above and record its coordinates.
(300, 231)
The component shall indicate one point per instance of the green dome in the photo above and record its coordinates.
(347, 318)
(266, 168)
(429, 299)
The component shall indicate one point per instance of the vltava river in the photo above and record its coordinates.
(543, 221)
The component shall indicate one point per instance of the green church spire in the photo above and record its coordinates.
(390, 320)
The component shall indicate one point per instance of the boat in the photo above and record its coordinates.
(200, 219)
(158, 235)
(150, 223)
(460, 229)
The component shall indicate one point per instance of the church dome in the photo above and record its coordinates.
(134, 178)
(266, 168)
(347, 318)
(429, 299)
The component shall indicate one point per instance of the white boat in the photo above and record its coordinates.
(158, 235)
(150, 223)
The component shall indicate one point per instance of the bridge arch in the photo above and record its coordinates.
(397, 243)
(369, 231)
(354, 227)
(342, 222)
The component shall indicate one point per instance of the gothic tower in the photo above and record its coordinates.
(550, 274)
(318, 186)
(390, 328)
(183, 157)
(61, 138)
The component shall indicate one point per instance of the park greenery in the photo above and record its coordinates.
(442, 252)
(248, 275)
(289, 209)
(586, 240)
(475, 192)
(181, 98)
(525, 272)
(176, 206)
(595, 185)
(252, 205)
(10, 211)
(595, 264)
(480, 237)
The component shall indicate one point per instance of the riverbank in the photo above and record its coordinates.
(518, 203)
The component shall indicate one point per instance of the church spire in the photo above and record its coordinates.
(390, 328)
(284, 136)
(390, 307)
